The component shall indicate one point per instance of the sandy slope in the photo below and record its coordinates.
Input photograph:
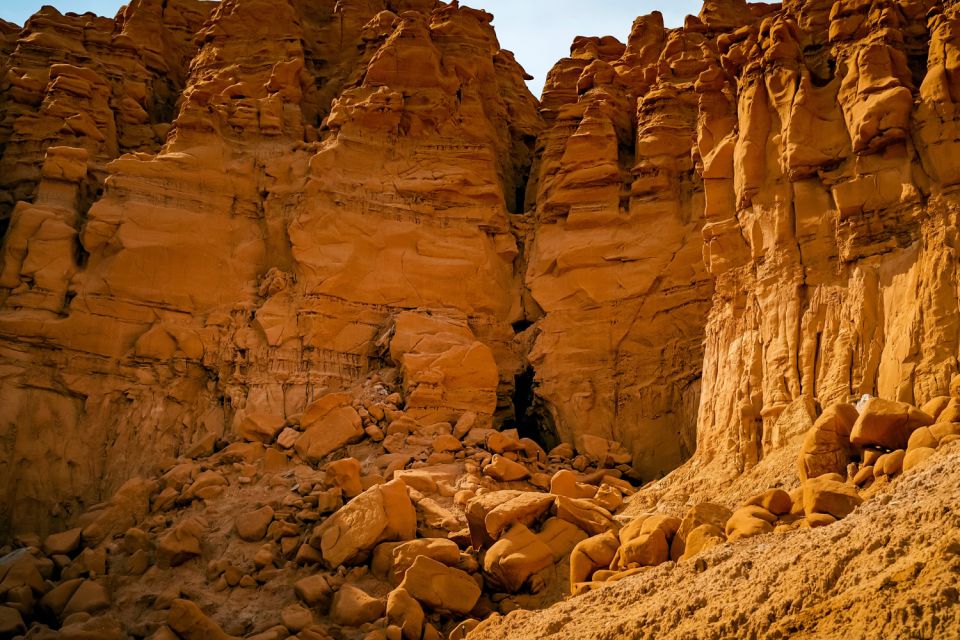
(889, 570)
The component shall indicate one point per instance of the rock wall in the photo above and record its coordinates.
(325, 170)
(695, 240)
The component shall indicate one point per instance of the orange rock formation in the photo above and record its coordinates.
(313, 304)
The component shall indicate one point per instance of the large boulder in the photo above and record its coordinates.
(590, 517)
(441, 587)
(526, 508)
(826, 447)
(353, 607)
(515, 557)
(749, 521)
(181, 543)
(477, 510)
(887, 424)
(826, 494)
(591, 554)
(705, 513)
(405, 554)
(383, 512)
(327, 426)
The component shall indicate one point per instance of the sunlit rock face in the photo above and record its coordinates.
(220, 215)
(215, 214)
(745, 219)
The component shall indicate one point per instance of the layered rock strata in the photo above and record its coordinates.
(700, 239)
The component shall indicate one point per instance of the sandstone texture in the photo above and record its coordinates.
(315, 323)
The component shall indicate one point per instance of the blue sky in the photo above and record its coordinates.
(539, 32)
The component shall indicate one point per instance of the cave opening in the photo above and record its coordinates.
(531, 419)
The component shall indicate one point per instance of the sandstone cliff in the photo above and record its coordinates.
(256, 221)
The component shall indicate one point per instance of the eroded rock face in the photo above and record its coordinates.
(322, 171)
(703, 236)
(829, 258)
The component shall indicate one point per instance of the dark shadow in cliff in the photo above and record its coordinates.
(531, 420)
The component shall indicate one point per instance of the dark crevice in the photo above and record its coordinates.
(530, 418)
(521, 325)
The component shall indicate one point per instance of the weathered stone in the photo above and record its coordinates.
(516, 556)
(191, 623)
(346, 475)
(705, 513)
(591, 518)
(776, 501)
(916, 456)
(260, 427)
(826, 495)
(313, 590)
(826, 446)
(181, 543)
(749, 521)
(886, 423)
(505, 470)
(440, 587)
(352, 607)
(381, 513)
(405, 554)
(404, 611)
(252, 525)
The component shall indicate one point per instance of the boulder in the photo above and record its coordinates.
(313, 590)
(561, 536)
(815, 520)
(749, 521)
(516, 556)
(352, 607)
(888, 424)
(565, 483)
(260, 427)
(477, 509)
(11, 622)
(505, 470)
(252, 525)
(405, 554)
(434, 479)
(776, 501)
(345, 474)
(829, 495)
(701, 514)
(383, 512)
(701, 538)
(922, 437)
(950, 413)
(181, 543)
(526, 508)
(64, 543)
(826, 446)
(648, 549)
(328, 430)
(296, 617)
(916, 456)
(590, 517)
(593, 553)
(441, 587)
(894, 462)
(190, 623)
(404, 611)
(89, 597)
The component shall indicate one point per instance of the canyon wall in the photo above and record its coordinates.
(694, 241)
(323, 171)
